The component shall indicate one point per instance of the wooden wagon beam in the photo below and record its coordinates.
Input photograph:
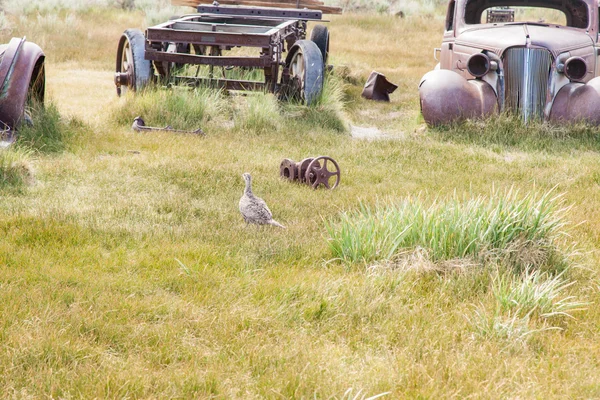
(218, 61)
(303, 4)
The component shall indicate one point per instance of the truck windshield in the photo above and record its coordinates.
(523, 14)
(573, 13)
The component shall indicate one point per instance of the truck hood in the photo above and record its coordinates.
(499, 38)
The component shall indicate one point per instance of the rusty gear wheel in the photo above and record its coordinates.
(318, 173)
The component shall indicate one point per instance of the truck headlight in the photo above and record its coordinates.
(478, 65)
(575, 68)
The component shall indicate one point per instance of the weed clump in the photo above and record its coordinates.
(181, 109)
(48, 132)
(534, 293)
(503, 228)
(259, 114)
(520, 305)
(15, 169)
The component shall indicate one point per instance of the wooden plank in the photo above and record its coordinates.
(265, 3)
(229, 84)
(194, 3)
(261, 13)
(157, 34)
(256, 3)
(220, 61)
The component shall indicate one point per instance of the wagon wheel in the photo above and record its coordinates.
(317, 174)
(320, 35)
(133, 70)
(305, 65)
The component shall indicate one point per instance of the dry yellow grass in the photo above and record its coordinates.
(132, 275)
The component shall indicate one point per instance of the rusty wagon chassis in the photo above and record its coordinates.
(202, 40)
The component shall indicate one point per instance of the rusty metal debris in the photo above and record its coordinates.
(140, 126)
(312, 171)
(378, 87)
(535, 69)
(22, 81)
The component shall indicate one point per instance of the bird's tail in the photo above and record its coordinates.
(277, 224)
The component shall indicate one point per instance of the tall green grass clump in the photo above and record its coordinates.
(523, 304)
(502, 227)
(15, 169)
(535, 292)
(178, 107)
(48, 132)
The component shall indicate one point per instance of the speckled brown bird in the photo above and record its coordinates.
(254, 209)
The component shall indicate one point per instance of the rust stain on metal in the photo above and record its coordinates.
(489, 62)
(140, 126)
(314, 172)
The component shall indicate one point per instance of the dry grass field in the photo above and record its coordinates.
(126, 270)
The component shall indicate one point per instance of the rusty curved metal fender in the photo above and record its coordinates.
(577, 102)
(22, 75)
(447, 97)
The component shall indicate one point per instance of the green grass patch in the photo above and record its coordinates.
(524, 304)
(15, 169)
(521, 231)
(49, 132)
(509, 131)
(535, 293)
(258, 113)
(327, 112)
(180, 108)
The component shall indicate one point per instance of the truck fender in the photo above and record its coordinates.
(22, 76)
(577, 102)
(448, 97)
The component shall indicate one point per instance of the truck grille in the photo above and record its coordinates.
(526, 73)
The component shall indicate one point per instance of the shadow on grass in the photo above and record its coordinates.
(509, 132)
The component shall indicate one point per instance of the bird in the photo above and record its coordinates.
(254, 209)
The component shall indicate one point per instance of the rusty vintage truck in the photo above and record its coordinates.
(501, 56)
